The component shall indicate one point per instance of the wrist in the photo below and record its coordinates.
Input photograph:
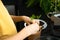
(28, 32)
(24, 33)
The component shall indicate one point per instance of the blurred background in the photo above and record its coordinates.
(47, 10)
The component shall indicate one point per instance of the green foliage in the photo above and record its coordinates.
(46, 5)
(35, 17)
(58, 5)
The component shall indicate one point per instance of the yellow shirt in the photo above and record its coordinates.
(7, 26)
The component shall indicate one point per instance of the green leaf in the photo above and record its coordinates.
(30, 2)
(33, 16)
(38, 16)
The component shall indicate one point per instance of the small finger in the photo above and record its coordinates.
(40, 28)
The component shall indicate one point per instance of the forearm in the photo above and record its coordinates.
(17, 18)
(19, 36)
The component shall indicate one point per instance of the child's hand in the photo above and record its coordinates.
(33, 28)
(27, 19)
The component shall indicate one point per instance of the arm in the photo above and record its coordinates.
(19, 36)
(25, 32)
(21, 18)
(17, 18)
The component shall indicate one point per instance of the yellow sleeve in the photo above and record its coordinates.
(7, 26)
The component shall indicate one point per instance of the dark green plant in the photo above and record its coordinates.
(46, 5)
(58, 5)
